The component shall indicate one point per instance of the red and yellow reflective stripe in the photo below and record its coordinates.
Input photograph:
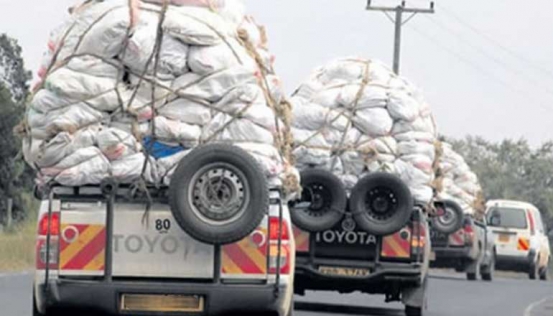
(523, 244)
(302, 240)
(394, 246)
(245, 256)
(457, 238)
(86, 252)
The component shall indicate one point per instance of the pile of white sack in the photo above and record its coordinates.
(355, 116)
(457, 182)
(129, 87)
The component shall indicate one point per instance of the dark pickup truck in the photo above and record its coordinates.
(349, 257)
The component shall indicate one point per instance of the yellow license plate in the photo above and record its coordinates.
(346, 272)
(504, 238)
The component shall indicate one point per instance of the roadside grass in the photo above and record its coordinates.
(17, 244)
(17, 248)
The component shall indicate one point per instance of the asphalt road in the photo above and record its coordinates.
(450, 295)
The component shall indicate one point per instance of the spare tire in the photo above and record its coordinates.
(323, 201)
(381, 204)
(219, 194)
(449, 218)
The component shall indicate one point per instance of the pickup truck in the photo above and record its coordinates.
(115, 249)
(470, 249)
(347, 257)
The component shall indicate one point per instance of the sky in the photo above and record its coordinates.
(486, 67)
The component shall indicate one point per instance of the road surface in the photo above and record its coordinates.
(450, 295)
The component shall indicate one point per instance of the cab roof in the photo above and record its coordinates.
(511, 203)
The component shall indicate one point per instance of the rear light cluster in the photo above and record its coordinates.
(418, 239)
(469, 233)
(532, 223)
(279, 230)
(53, 224)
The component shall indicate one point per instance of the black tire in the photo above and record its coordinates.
(489, 271)
(218, 194)
(414, 311)
(472, 276)
(381, 204)
(451, 221)
(533, 271)
(35, 309)
(544, 274)
(325, 198)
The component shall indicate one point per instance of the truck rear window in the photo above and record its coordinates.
(507, 217)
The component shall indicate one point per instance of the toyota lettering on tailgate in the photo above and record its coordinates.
(345, 237)
(169, 245)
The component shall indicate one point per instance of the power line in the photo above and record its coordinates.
(496, 43)
(497, 61)
(480, 69)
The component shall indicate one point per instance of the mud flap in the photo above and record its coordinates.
(415, 296)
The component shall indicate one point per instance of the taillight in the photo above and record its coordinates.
(532, 224)
(54, 225)
(418, 240)
(469, 233)
(48, 254)
(42, 251)
(276, 229)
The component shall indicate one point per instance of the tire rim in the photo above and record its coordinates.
(381, 203)
(219, 193)
(319, 199)
(448, 218)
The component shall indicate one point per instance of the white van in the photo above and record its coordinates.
(522, 244)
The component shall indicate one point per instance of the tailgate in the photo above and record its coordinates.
(345, 241)
(155, 246)
(152, 246)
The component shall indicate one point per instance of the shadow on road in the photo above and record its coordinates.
(343, 309)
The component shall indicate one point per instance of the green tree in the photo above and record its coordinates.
(512, 170)
(15, 176)
(12, 70)
(13, 181)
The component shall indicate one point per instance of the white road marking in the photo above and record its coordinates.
(530, 309)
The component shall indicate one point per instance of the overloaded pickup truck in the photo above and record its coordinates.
(217, 240)
(375, 241)
(462, 242)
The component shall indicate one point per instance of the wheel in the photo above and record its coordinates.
(450, 217)
(473, 270)
(544, 274)
(381, 204)
(323, 201)
(414, 311)
(488, 272)
(35, 309)
(219, 194)
(533, 271)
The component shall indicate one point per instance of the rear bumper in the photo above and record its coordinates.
(383, 276)
(516, 263)
(219, 298)
(451, 257)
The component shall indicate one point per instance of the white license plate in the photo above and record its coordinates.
(345, 272)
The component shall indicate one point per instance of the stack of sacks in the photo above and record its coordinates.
(355, 116)
(128, 88)
(458, 183)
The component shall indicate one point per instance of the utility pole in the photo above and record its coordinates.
(399, 23)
